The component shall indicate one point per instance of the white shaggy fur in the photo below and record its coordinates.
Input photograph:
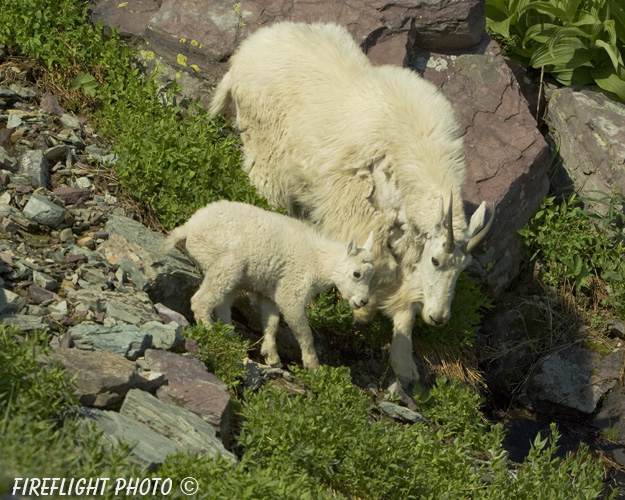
(285, 261)
(352, 146)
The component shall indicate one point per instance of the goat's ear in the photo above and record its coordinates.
(352, 247)
(369, 244)
(477, 219)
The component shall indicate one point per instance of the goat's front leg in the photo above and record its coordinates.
(299, 326)
(402, 361)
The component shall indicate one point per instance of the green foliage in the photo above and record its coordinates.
(219, 480)
(174, 163)
(467, 309)
(576, 245)
(221, 349)
(577, 41)
(328, 435)
(332, 314)
(36, 440)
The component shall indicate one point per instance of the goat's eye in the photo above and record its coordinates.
(357, 275)
(435, 262)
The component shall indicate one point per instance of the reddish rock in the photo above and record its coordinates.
(72, 196)
(102, 378)
(507, 157)
(190, 385)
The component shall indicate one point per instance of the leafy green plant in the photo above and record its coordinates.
(467, 309)
(454, 453)
(171, 158)
(38, 439)
(578, 41)
(221, 349)
(576, 245)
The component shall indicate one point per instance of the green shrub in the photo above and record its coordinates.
(172, 163)
(578, 41)
(328, 435)
(575, 246)
(36, 440)
(221, 349)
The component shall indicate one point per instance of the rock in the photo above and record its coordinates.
(33, 164)
(6, 160)
(69, 121)
(163, 336)
(23, 322)
(50, 104)
(10, 303)
(150, 447)
(589, 129)
(575, 377)
(39, 295)
(175, 423)
(616, 328)
(200, 37)
(126, 340)
(611, 416)
(400, 412)
(191, 386)
(396, 390)
(258, 375)
(46, 281)
(72, 196)
(14, 121)
(40, 209)
(168, 279)
(168, 315)
(500, 135)
(54, 153)
(102, 378)
(133, 309)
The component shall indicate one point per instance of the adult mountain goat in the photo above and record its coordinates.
(286, 262)
(352, 146)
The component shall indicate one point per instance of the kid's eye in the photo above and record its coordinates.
(435, 262)
(357, 274)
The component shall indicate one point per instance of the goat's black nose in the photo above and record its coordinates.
(436, 321)
(364, 302)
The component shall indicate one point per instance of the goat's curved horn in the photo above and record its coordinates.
(449, 243)
(477, 239)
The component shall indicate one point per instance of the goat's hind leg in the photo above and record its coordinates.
(270, 317)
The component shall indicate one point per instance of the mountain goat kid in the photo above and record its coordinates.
(355, 147)
(286, 262)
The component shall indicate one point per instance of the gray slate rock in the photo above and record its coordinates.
(129, 341)
(102, 378)
(33, 164)
(400, 412)
(23, 322)
(40, 209)
(150, 447)
(575, 377)
(10, 302)
(7, 161)
(164, 337)
(175, 423)
(168, 279)
(191, 386)
(612, 413)
(590, 131)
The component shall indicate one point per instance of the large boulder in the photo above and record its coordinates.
(203, 35)
(167, 278)
(590, 131)
(507, 157)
